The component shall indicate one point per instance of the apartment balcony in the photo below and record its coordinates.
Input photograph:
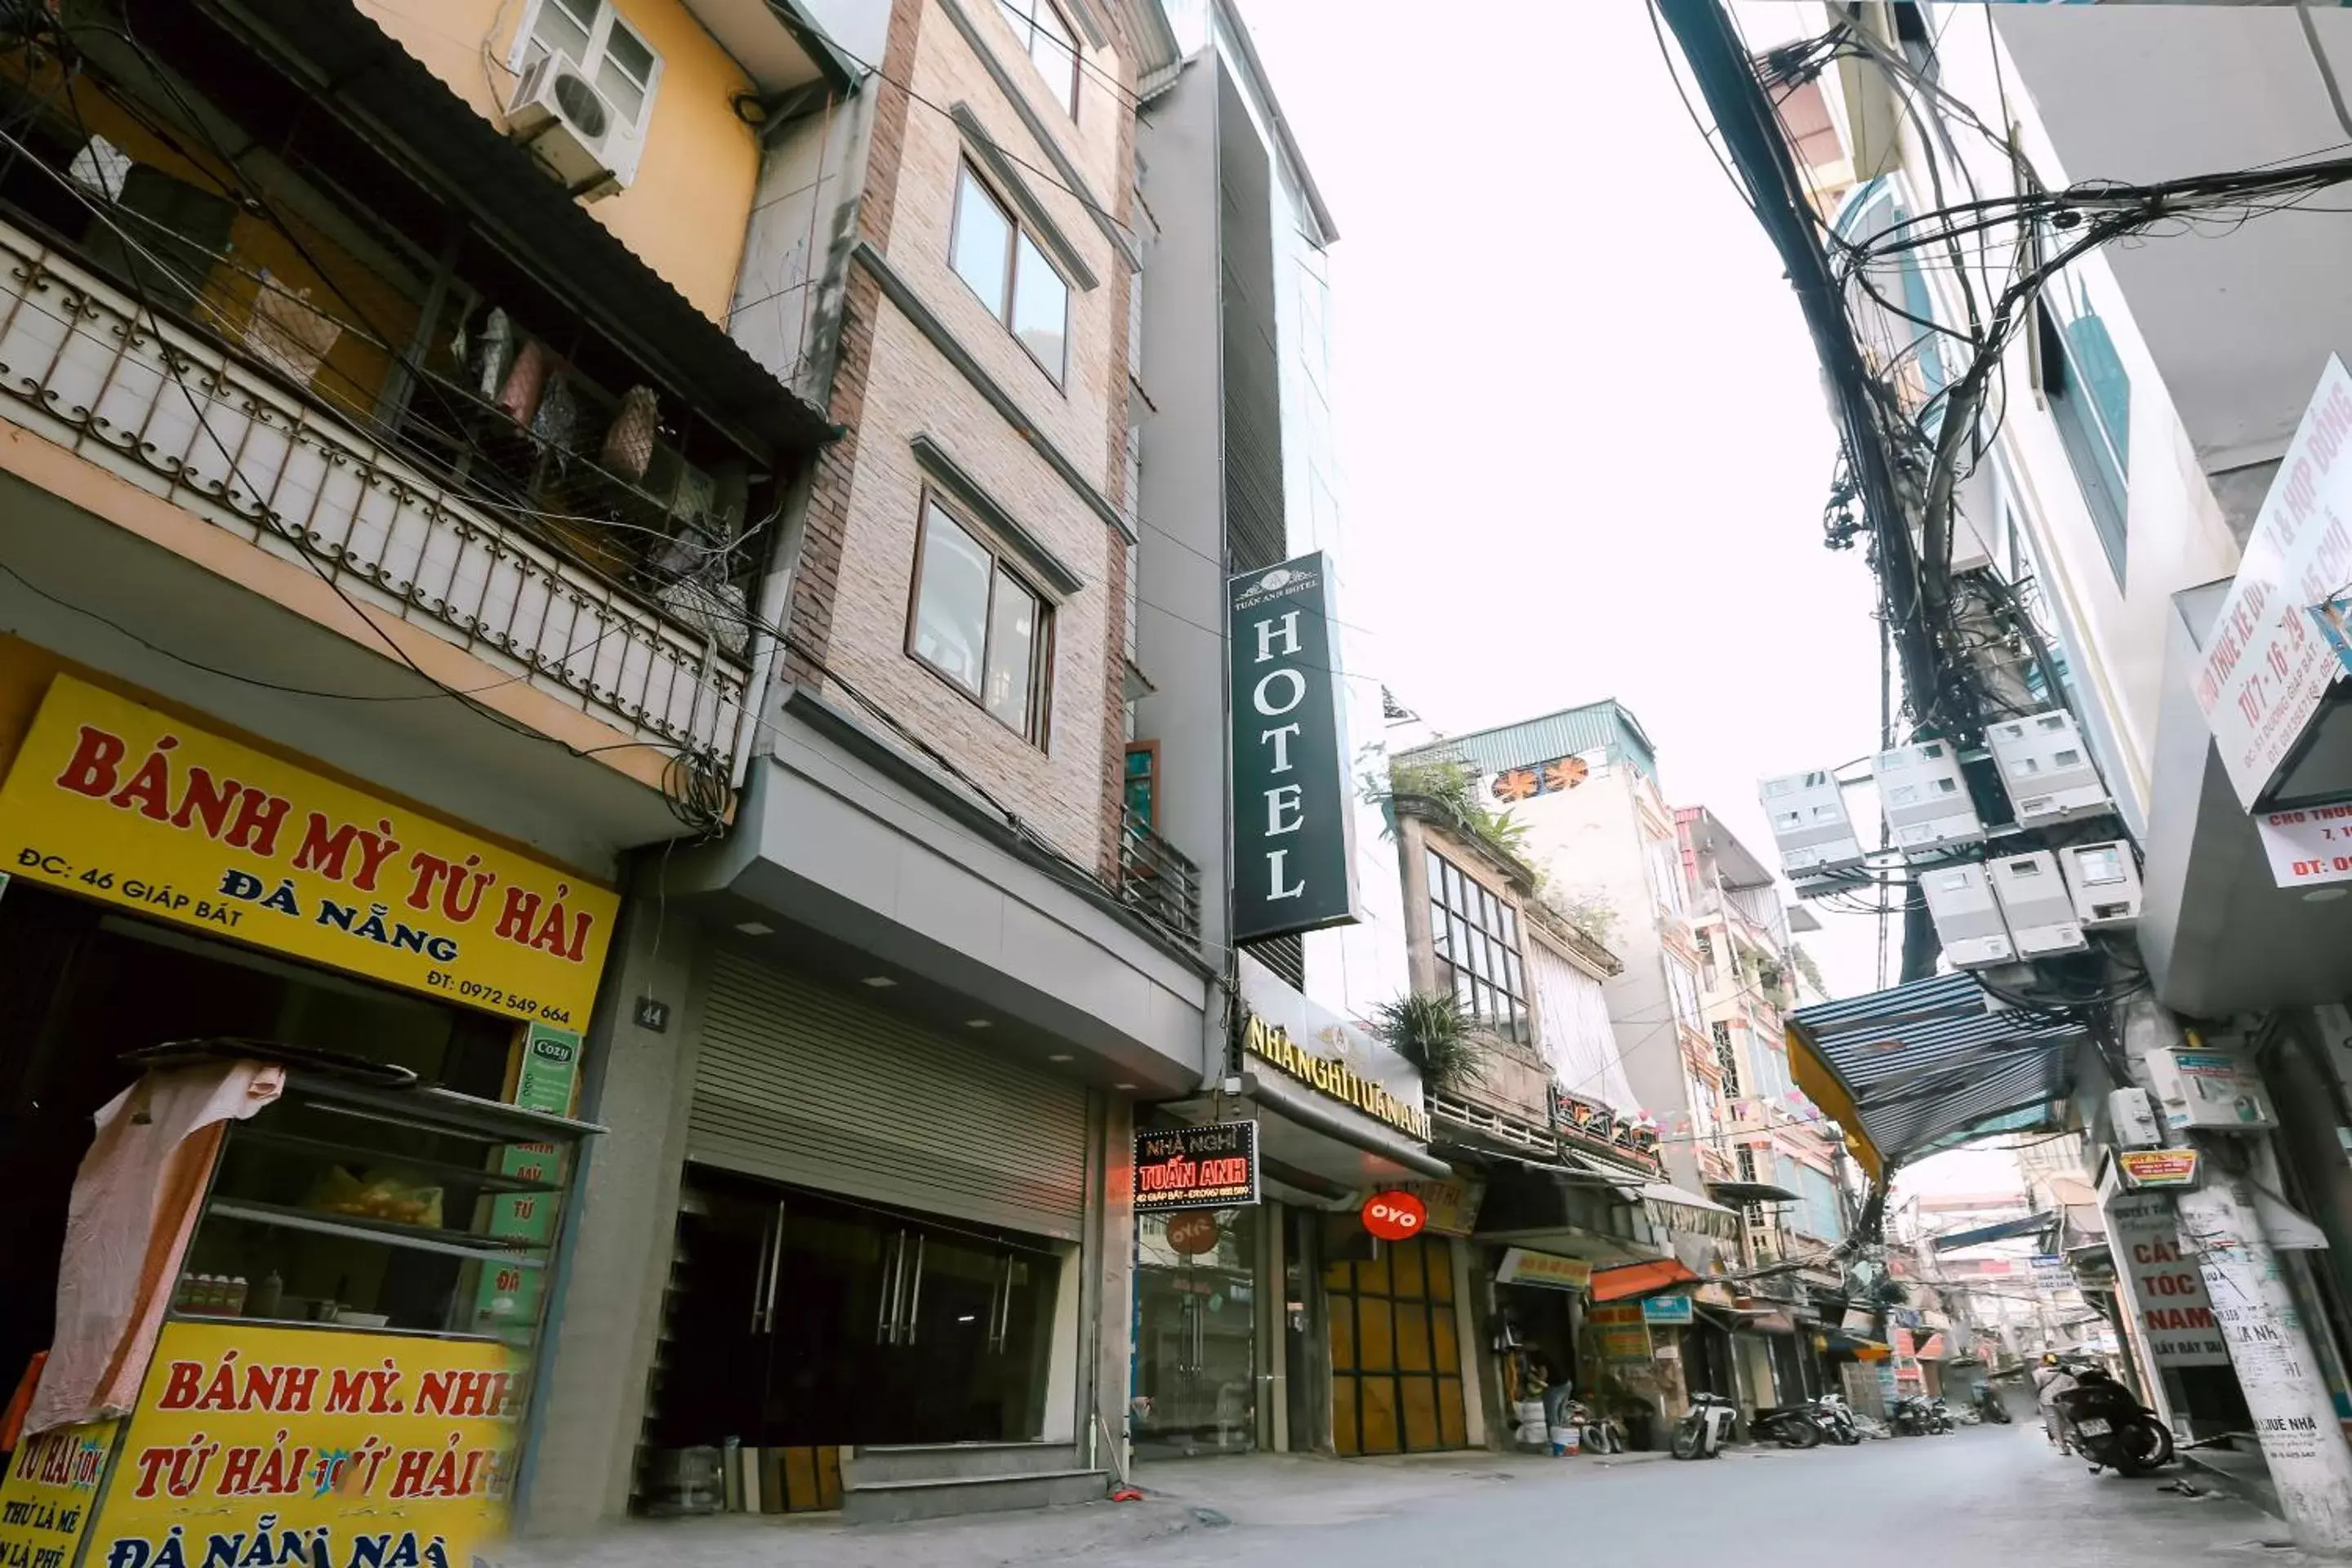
(190, 418)
(1157, 881)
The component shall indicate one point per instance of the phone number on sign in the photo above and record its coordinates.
(240, 893)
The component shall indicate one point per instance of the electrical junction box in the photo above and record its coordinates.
(2132, 1116)
(2047, 770)
(1811, 828)
(2210, 1090)
(2036, 904)
(2103, 881)
(1968, 916)
(1925, 798)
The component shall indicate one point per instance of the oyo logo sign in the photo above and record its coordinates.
(1394, 1216)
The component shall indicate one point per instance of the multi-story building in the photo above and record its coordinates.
(543, 450)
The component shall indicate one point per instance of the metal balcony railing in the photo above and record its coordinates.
(185, 417)
(1157, 881)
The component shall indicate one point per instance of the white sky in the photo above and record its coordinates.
(1585, 443)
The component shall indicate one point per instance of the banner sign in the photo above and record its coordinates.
(1668, 1310)
(49, 1492)
(1294, 822)
(1623, 1334)
(1520, 1266)
(2166, 1291)
(1212, 1167)
(2266, 669)
(2308, 846)
(307, 1446)
(118, 802)
(1452, 1206)
(2050, 1272)
(2158, 1167)
(1271, 1043)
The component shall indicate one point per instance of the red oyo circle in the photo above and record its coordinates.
(1394, 1216)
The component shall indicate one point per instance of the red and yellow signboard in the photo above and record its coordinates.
(2158, 1167)
(119, 802)
(300, 1447)
(49, 1493)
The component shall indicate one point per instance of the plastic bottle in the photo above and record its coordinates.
(183, 1295)
(267, 1297)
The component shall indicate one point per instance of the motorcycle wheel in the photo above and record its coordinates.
(1686, 1441)
(2145, 1443)
(1795, 1433)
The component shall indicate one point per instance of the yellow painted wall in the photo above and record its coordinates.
(684, 213)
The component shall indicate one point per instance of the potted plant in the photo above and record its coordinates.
(1434, 1032)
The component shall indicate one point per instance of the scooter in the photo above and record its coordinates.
(1940, 1416)
(2099, 1419)
(1705, 1427)
(1914, 1417)
(1790, 1426)
(1991, 1407)
(1835, 1419)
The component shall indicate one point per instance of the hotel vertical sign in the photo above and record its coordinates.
(1292, 863)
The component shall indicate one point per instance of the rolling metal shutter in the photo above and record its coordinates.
(800, 1085)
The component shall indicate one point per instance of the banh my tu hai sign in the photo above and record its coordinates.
(118, 802)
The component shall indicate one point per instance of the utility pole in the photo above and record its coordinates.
(2294, 1417)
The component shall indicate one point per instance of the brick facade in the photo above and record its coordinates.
(852, 586)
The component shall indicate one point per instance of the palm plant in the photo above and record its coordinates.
(1434, 1032)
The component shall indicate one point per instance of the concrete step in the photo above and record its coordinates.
(893, 1502)
(878, 1464)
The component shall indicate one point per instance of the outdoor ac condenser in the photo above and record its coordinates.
(1811, 828)
(2036, 904)
(1967, 917)
(1925, 798)
(2047, 769)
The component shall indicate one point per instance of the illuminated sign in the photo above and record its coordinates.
(1212, 1167)
(1271, 1044)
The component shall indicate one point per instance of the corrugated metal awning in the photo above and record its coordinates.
(1920, 1065)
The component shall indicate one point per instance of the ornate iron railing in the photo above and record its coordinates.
(185, 417)
(1156, 879)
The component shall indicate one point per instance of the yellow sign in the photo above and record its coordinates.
(1622, 1330)
(1272, 1043)
(2159, 1167)
(118, 802)
(292, 1448)
(1520, 1266)
(49, 1493)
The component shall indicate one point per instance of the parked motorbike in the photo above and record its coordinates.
(1915, 1416)
(1990, 1406)
(1790, 1426)
(1597, 1434)
(1835, 1419)
(1940, 1416)
(1705, 1427)
(2099, 1419)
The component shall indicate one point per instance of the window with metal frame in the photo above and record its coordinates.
(1682, 991)
(608, 51)
(1474, 938)
(1045, 37)
(977, 623)
(2090, 402)
(1727, 1059)
(992, 253)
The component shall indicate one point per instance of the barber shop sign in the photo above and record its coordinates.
(1293, 834)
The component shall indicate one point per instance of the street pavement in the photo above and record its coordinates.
(1990, 1497)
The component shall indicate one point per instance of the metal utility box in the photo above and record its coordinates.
(1967, 917)
(2214, 1091)
(2103, 881)
(2133, 1114)
(1925, 798)
(2047, 770)
(2036, 904)
(1810, 827)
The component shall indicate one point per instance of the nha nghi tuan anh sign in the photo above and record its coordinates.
(115, 801)
(1271, 1044)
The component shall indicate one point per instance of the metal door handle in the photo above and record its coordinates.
(775, 1266)
(886, 1316)
(914, 1292)
(760, 1271)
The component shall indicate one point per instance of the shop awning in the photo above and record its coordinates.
(1677, 1208)
(1639, 1280)
(1909, 1068)
(2000, 1230)
(1751, 1192)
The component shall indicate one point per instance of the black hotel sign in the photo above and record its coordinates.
(1293, 868)
(1212, 1167)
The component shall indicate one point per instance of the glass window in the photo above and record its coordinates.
(978, 625)
(2090, 402)
(1474, 938)
(1046, 37)
(1004, 267)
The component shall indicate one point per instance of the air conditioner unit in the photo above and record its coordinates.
(2036, 904)
(1967, 917)
(2104, 879)
(576, 135)
(1810, 825)
(1924, 799)
(2047, 770)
